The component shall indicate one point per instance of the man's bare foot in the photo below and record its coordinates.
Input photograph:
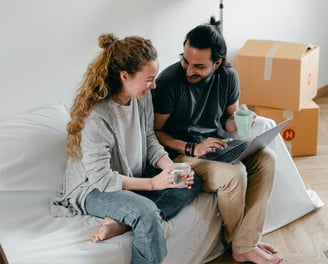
(267, 248)
(109, 228)
(258, 256)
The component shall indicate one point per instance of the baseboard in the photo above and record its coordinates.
(322, 92)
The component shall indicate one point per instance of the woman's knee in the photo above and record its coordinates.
(184, 195)
(147, 214)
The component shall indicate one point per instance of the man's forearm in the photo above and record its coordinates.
(170, 142)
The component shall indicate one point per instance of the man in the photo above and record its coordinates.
(194, 104)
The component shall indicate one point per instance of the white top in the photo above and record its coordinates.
(128, 128)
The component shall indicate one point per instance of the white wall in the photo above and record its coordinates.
(45, 45)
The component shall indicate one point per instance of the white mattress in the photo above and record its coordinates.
(32, 164)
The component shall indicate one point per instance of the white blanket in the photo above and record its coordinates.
(290, 199)
(32, 164)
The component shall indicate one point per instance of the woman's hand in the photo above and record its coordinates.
(165, 179)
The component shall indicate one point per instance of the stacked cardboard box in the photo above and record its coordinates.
(279, 80)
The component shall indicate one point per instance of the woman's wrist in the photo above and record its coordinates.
(164, 162)
(151, 185)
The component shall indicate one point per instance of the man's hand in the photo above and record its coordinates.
(209, 145)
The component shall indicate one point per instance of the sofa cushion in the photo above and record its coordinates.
(32, 149)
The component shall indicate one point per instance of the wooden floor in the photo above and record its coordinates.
(305, 240)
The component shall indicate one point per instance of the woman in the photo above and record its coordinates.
(110, 144)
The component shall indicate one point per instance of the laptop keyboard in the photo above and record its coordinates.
(230, 153)
(233, 153)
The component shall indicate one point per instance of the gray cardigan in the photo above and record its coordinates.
(103, 158)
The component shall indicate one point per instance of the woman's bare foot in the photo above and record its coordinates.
(258, 256)
(109, 228)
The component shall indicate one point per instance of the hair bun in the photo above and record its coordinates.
(213, 22)
(106, 40)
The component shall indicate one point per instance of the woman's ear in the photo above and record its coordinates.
(124, 75)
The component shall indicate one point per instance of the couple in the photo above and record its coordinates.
(117, 169)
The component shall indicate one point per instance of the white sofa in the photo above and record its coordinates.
(32, 164)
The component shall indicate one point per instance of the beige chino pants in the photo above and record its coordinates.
(243, 192)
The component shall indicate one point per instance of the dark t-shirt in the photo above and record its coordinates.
(196, 110)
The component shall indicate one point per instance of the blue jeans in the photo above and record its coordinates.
(141, 211)
(171, 201)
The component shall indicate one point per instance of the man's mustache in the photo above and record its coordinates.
(194, 76)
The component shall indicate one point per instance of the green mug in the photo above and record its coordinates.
(243, 119)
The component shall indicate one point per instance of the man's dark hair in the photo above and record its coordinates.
(208, 36)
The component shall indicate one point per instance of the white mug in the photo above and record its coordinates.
(180, 168)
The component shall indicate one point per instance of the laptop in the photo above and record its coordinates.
(3, 258)
(238, 149)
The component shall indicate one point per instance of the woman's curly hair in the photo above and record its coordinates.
(102, 79)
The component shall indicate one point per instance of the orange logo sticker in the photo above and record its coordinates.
(288, 134)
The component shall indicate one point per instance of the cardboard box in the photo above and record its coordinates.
(277, 74)
(301, 133)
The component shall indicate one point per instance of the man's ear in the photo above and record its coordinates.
(218, 63)
(124, 75)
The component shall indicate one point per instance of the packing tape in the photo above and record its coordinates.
(268, 60)
(288, 114)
